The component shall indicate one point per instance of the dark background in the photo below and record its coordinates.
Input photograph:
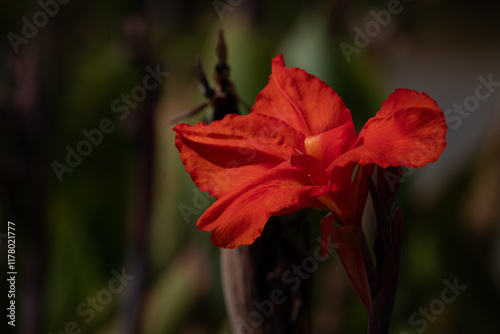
(120, 207)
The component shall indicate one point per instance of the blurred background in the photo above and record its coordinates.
(105, 214)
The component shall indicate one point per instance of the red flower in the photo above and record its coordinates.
(298, 148)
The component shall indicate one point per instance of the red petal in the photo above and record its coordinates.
(238, 217)
(409, 130)
(301, 100)
(329, 145)
(361, 188)
(346, 241)
(311, 166)
(344, 193)
(326, 233)
(403, 99)
(350, 197)
(225, 154)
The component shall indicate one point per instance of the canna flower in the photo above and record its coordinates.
(298, 148)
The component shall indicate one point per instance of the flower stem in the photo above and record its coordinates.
(384, 297)
(260, 295)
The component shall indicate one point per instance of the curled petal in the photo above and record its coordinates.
(238, 217)
(409, 130)
(404, 99)
(343, 193)
(328, 146)
(326, 233)
(346, 241)
(300, 99)
(225, 154)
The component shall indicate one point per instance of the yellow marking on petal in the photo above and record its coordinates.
(330, 204)
(313, 147)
